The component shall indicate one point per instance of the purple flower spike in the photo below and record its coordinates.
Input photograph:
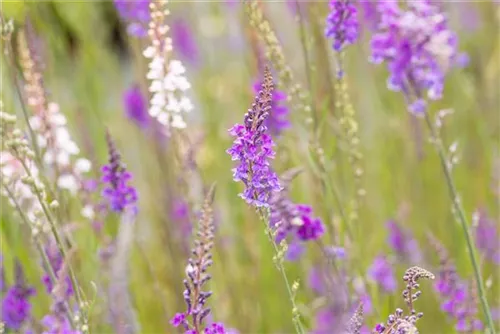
(381, 272)
(277, 121)
(342, 24)
(253, 147)
(183, 40)
(135, 107)
(418, 47)
(135, 14)
(16, 308)
(117, 191)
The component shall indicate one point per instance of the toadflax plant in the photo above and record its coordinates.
(253, 148)
(192, 320)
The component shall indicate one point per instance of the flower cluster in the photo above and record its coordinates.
(196, 272)
(381, 271)
(16, 307)
(342, 23)
(398, 322)
(277, 121)
(59, 151)
(458, 298)
(136, 14)
(168, 83)
(418, 47)
(403, 243)
(119, 194)
(288, 219)
(253, 147)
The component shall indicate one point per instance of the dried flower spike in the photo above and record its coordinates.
(356, 322)
(197, 276)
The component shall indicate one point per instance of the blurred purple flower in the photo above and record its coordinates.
(488, 238)
(342, 23)
(418, 47)
(183, 40)
(403, 243)
(16, 308)
(253, 147)
(56, 262)
(135, 14)
(277, 120)
(57, 325)
(381, 272)
(117, 191)
(135, 107)
(459, 300)
(311, 228)
(295, 251)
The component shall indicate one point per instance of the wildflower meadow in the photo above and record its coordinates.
(211, 167)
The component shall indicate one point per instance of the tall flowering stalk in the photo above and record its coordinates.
(253, 148)
(342, 27)
(59, 151)
(192, 320)
(420, 50)
(168, 86)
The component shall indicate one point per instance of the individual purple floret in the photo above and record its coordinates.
(135, 14)
(253, 148)
(417, 46)
(183, 40)
(277, 121)
(136, 107)
(488, 238)
(381, 272)
(119, 194)
(403, 243)
(342, 24)
(16, 307)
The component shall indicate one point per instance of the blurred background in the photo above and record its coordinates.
(90, 62)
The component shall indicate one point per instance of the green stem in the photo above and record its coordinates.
(463, 222)
(279, 265)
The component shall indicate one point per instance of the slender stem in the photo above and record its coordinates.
(279, 264)
(463, 222)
